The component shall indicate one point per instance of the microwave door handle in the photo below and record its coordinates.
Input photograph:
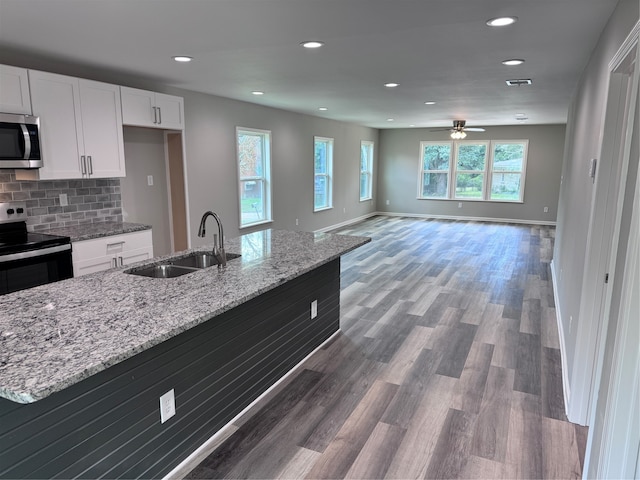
(27, 141)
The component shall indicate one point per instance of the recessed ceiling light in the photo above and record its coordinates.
(391, 85)
(501, 21)
(257, 92)
(513, 61)
(312, 44)
(429, 103)
(182, 58)
(323, 109)
(412, 125)
(518, 115)
(517, 82)
(390, 119)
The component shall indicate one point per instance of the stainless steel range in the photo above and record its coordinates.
(29, 259)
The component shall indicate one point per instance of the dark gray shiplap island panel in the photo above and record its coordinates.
(107, 425)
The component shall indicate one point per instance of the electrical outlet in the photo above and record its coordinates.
(150, 180)
(546, 209)
(297, 222)
(167, 406)
(570, 322)
(344, 210)
(387, 202)
(314, 309)
(459, 204)
(64, 201)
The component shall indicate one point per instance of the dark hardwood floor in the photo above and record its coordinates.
(448, 366)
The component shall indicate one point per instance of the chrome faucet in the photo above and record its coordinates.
(218, 240)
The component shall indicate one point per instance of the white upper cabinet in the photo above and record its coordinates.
(14, 90)
(81, 126)
(150, 109)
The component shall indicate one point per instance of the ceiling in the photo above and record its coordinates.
(436, 50)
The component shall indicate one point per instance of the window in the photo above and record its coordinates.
(507, 176)
(471, 163)
(322, 179)
(254, 173)
(366, 170)
(486, 170)
(435, 163)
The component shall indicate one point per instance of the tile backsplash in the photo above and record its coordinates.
(90, 200)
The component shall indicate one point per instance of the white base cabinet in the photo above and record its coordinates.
(81, 123)
(14, 90)
(98, 254)
(143, 108)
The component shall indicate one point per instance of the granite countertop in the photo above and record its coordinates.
(55, 335)
(97, 230)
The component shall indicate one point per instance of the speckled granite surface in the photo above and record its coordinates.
(97, 230)
(55, 335)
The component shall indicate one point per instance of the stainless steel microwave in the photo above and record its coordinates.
(19, 141)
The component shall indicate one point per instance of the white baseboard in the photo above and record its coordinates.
(563, 349)
(184, 467)
(473, 219)
(347, 222)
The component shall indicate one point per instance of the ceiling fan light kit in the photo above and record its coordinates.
(459, 131)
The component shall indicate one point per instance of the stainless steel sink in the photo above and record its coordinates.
(200, 260)
(180, 266)
(162, 271)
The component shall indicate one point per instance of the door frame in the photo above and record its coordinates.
(603, 234)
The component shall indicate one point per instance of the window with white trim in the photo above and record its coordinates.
(254, 175)
(470, 165)
(507, 172)
(435, 163)
(492, 171)
(322, 173)
(366, 170)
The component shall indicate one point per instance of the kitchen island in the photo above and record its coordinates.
(84, 361)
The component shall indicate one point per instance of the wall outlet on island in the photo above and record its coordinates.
(546, 209)
(297, 223)
(314, 309)
(167, 406)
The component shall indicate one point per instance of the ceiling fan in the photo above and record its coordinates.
(458, 131)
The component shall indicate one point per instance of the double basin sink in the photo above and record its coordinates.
(180, 266)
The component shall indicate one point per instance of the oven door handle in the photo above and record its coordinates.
(34, 253)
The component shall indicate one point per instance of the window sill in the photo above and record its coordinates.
(366, 199)
(476, 200)
(316, 210)
(250, 225)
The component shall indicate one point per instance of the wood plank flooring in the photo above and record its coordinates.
(447, 366)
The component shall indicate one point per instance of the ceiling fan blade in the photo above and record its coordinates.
(473, 129)
(444, 129)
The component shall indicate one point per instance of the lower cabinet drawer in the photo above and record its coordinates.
(100, 254)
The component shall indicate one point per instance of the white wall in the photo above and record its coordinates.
(584, 137)
(399, 163)
(142, 203)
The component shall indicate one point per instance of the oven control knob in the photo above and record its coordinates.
(20, 210)
(10, 211)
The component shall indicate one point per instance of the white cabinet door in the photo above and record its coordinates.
(149, 109)
(14, 90)
(137, 107)
(92, 265)
(128, 257)
(81, 127)
(56, 100)
(102, 128)
(170, 111)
